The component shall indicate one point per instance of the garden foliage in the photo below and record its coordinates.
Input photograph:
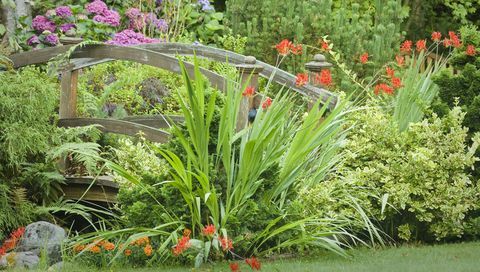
(422, 171)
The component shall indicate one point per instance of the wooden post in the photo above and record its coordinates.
(248, 77)
(68, 102)
(314, 67)
(68, 95)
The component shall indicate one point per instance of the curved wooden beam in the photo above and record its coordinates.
(155, 121)
(147, 57)
(95, 54)
(119, 127)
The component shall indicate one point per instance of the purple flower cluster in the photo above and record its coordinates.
(51, 39)
(205, 5)
(159, 24)
(97, 7)
(130, 37)
(63, 11)
(34, 40)
(66, 27)
(109, 17)
(133, 13)
(42, 23)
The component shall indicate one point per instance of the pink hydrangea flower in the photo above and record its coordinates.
(63, 11)
(66, 27)
(33, 40)
(133, 13)
(51, 39)
(109, 17)
(42, 23)
(130, 37)
(97, 7)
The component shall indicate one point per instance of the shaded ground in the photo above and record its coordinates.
(451, 258)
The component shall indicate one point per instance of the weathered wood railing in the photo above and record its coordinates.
(162, 55)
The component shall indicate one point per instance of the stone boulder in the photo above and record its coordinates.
(43, 237)
(20, 260)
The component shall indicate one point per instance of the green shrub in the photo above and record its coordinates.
(422, 171)
(374, 24)
(463, 87)
(28, 99)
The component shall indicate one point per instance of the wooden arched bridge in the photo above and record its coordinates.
(161, 55)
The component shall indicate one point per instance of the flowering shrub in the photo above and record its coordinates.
(100, 252)
(421, 172)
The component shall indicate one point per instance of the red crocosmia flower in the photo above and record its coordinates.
(400, 60)
(406, 46)
(396, 82)
(302, 79)
(390, 72)
(382, 87)
(296, 49)
(267, 103)
(227, 244)
(471, 51)
(364, 58)
(187, 232)
(324, 78)
(325, 46)
(234, 267)
(249, 91)
(283, 48)
(253, 263)
(447, 42)
(436, 36)
(455, 41)
(2, 251)
(182, 245)
(208, 230)
(421, 45)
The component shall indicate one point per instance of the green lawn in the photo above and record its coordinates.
(451, 258)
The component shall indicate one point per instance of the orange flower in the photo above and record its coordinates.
(296, 49)
(390, 72)
(148, 250)
(436, 36)
(384, 88)
(108, 246)
(227, 244)
(406, 46)
(364, 58)
(234, 267)
(447, 42)
(283, 47)
(267, 103)
(324, 78)
(302, 79)
(400, 60)
(95, 249)
(471, 51)
(455, 41)
(209, 230)
(249, 91)
(396, 82)
(78, 248)
(187, 232)
(127, 252)
(182, 245)
(99, 242)
(325, 46)
(421, 45)
(253, 263)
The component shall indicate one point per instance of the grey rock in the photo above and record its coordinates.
(43, 237)
(27, 259)
(56, 267)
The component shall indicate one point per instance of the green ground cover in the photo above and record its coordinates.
(438, 258)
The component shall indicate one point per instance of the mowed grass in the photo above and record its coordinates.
(437, 258)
